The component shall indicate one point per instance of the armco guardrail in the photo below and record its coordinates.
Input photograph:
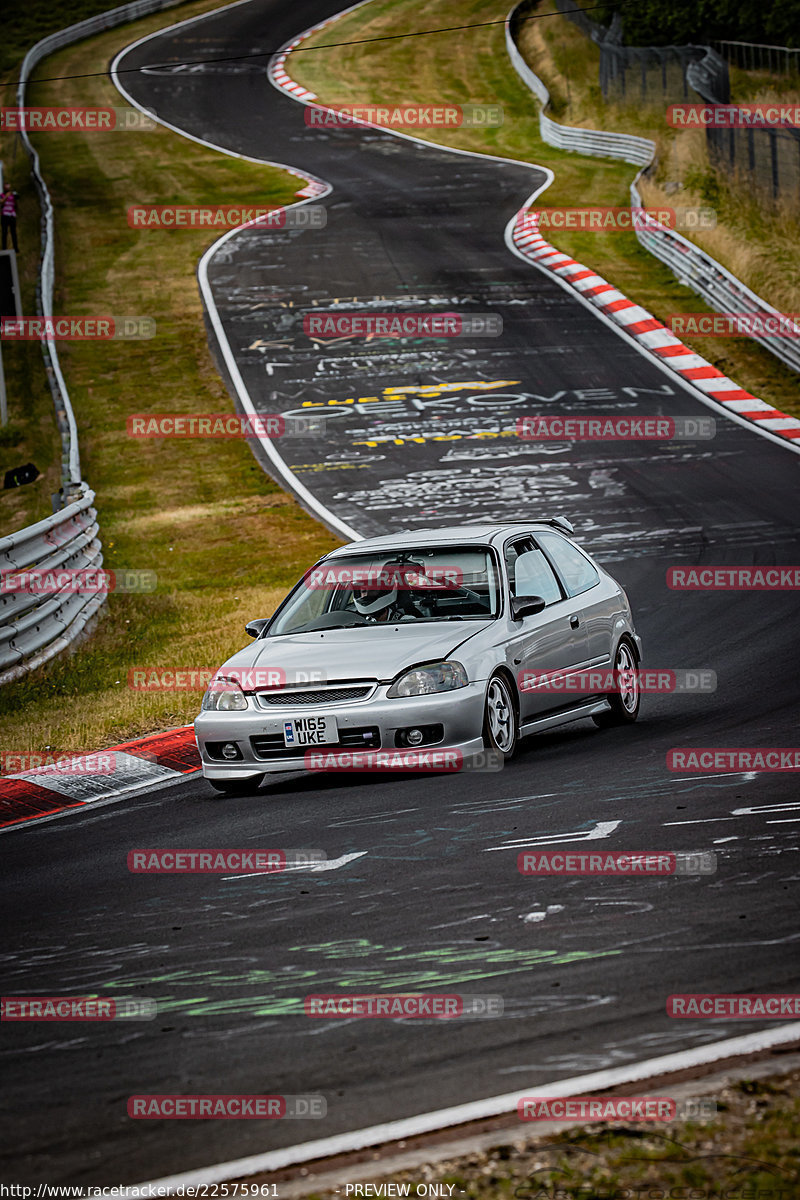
(704, 275)
(596, 142)
(56, 41)
(692, 266)
(35, 626)
(33, 629)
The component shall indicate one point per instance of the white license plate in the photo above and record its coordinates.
(310, 731)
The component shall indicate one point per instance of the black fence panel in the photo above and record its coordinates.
(766, 159)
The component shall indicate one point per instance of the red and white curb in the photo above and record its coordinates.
(82, 780)
(277, 70)
(649, 332)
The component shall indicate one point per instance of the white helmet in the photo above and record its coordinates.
(372, 600)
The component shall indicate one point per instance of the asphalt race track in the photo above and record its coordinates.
(427, 896)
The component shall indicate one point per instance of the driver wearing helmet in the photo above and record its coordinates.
(380, 601)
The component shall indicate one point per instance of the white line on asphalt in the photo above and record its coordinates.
(292, 482)
(699, 821)
(755, 811)
(327, 864)
(765, 808)
(476, 1110)
(601, 830)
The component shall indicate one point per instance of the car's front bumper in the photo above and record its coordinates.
(460, 712)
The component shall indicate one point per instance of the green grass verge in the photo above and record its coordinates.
(224, 540)
(25, 23)
(31, 434)
(472, 65)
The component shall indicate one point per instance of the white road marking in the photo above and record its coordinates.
(754, 811)
(700, 821)
(766, 808)
(328, 864)
(601, 830)
(476, 1110)
(291, 481)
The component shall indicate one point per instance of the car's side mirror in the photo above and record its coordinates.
(526, 606)
(254, 627)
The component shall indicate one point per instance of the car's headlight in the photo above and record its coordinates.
(433, 677)
(224, 695)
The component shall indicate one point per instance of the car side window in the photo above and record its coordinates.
(576, 571)
(512, 552)
(529, 572)
(534, 576)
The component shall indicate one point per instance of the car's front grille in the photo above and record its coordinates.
(271, 745)
(315, 695)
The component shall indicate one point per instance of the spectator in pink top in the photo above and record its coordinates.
(8, 216)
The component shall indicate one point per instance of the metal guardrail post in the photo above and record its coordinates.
(34, 628)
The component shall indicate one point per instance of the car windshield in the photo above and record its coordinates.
(443, 583)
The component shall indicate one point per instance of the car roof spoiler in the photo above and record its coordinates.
(558, 522)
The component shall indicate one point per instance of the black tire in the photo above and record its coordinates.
(625, 703)
(237, 787)
(500, 720)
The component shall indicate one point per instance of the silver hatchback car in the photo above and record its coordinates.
(460, 640)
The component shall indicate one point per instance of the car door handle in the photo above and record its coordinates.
(574, 621)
